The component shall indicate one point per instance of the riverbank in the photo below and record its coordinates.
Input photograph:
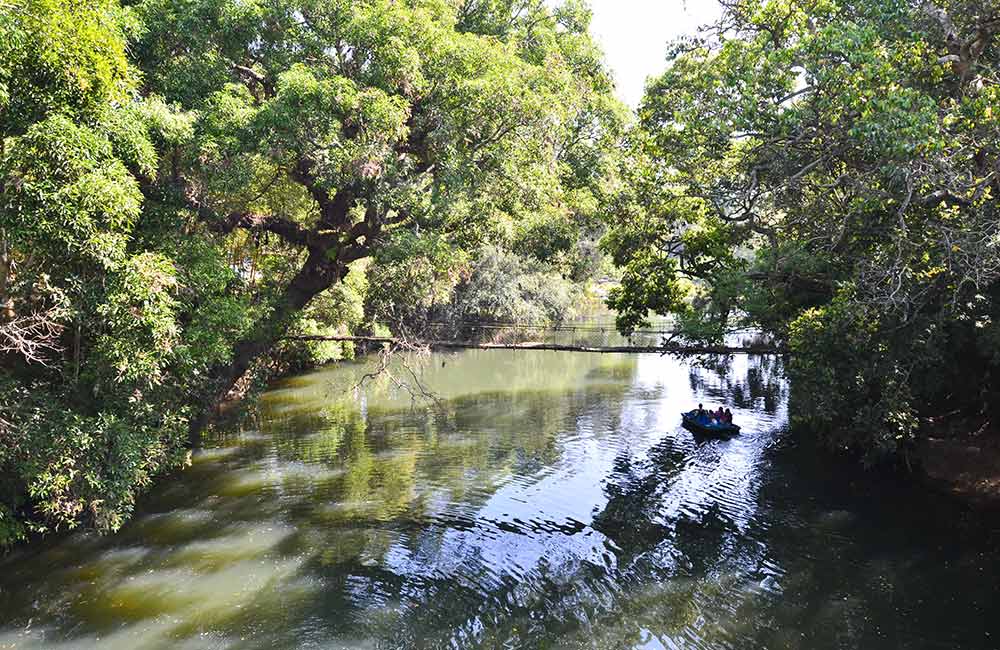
(967, 467)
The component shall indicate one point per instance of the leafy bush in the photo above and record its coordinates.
(505, 287)
(412, 278)
(105, 337)
(847, 386)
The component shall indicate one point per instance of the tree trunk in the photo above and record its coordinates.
(6, 263)
(317, 274)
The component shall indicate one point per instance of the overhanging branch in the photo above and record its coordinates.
(287, 229)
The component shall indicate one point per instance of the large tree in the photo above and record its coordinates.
(328, 124)
(829, 171)
(178, 180)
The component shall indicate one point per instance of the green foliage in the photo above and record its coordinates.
(824, 171)
(138, 318)
(423, 279)
(67, 193)
(77, 468)
(183, 185)
(504, 287)
(646, 285)
(338, 311)
(851, 388)
(104, 331)
(411, 277)
(409, 132)
(61, 57)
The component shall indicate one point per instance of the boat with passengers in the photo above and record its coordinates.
(704, 423)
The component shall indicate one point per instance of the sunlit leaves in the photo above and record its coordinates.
(85, 430)
(138, 318)
(66, 193)
(61, 57)
(148, 215)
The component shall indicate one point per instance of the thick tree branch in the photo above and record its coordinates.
(942, 18)
(317, 274)
(287, 229)
(944, 196)
(334, 210)
(255, 80)
(963, 54)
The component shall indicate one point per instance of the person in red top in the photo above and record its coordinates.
(727, 417)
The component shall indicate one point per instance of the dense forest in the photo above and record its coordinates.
(184, 185)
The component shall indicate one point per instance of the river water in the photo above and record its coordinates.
(540, 500)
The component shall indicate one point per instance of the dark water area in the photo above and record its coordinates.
(545, 500)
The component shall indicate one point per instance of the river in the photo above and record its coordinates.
(539, 500)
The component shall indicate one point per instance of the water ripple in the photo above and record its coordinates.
(548, 500)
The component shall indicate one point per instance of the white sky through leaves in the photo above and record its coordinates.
(634, 35)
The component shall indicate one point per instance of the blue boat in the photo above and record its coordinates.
(719, 430)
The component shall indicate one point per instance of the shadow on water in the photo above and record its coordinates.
(548, 500)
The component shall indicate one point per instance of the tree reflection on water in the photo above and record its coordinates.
(546, 500)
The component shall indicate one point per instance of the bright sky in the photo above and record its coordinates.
(635, 33)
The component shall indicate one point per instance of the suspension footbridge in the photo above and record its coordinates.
(596, 338)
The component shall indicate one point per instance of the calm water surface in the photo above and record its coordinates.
(546, 500)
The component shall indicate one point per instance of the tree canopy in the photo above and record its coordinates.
(828, 171)
(329, 125)
(89, 322)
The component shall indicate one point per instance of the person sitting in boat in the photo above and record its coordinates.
(727, 417)
(719, 416)
(700, 415)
